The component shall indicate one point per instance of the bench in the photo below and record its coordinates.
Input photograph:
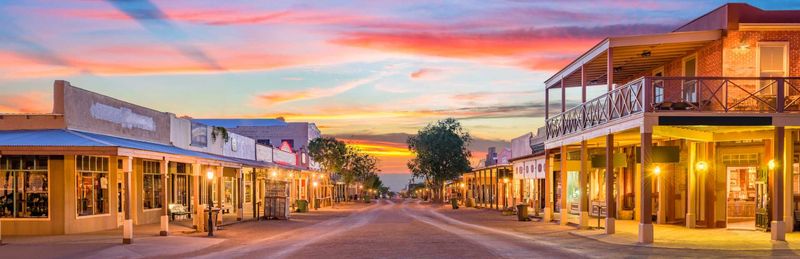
(178, 210)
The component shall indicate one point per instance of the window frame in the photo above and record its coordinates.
(79, 172)
(786, 69)
(49, 203)
(146, 174)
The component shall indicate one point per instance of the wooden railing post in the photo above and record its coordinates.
(779, 99)
(647, 94)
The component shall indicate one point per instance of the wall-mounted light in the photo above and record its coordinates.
(646, 53)
(701, 166)
(771, 164)
(657, 170)
(210, 175)
(617, 69)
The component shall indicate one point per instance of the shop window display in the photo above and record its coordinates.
(152, 185)
(92, 185)
(24, 187)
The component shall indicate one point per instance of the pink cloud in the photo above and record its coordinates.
(424, 73)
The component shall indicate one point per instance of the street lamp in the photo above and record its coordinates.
(210, 176)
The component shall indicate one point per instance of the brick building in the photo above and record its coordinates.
(696, 127)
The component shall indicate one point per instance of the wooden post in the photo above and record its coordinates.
(645, 211)
(240, 196)
(220, 197)
(563, 199)
(778, 228)
(164, 193)
(611, 207)
(788, 172)
(584, 186)
(691, 203)
(254, 197)
(127, 226)
(548, 186)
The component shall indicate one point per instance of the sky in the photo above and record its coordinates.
(369, 72)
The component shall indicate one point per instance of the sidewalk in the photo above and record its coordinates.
(182, 241)
(673, 236)
(666, 236)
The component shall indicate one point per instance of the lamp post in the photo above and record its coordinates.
(210, 176)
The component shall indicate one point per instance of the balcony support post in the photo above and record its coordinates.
(647, 94)
(610, 79)
(583, 97)
(778, 228)
(611, 208)
(646, 209)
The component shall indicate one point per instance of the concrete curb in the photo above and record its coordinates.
(781, 245)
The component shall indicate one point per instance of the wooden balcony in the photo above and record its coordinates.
(680, 94)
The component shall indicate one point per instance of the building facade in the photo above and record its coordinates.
(527, 162)
(697, 127)
(98, 163)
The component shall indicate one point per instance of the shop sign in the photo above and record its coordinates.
(123, 116)
(538, 166)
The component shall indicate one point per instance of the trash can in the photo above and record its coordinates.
(522, 212)
(316, 203)
(302, 205)
(454, 203)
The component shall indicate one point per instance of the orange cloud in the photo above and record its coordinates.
(26, 102)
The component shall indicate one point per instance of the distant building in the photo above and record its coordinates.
(270, 132)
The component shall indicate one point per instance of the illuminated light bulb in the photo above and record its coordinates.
(701, 166)
(771, 164)
(657, 170)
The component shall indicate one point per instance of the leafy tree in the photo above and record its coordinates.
(349, 163)
(440, 154)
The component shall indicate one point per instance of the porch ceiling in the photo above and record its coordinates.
(630, 57)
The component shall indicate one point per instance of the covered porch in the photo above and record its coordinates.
(710, 177)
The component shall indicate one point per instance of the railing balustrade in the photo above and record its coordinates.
(686, 94)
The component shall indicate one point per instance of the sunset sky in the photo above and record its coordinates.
(370, 72)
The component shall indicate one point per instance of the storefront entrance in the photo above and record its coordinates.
(742, 190)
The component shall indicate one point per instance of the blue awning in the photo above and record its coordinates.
(49, 138)
(72, 138)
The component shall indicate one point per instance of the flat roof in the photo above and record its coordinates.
(233, 123)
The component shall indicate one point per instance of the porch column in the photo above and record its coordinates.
(691, 203)
(253, 192)
(611, 207)
(548, 189)
(196, 196)
(497, 188)
(778, 228)
(220, 182)
(240, 196)
(127, 225)
(662, 196)
(584, 187)
(563, 199)
(165, 203)
(788, 171)
(645, 211)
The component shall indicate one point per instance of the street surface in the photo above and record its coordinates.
(382, 229)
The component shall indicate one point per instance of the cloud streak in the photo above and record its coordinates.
(282, 96)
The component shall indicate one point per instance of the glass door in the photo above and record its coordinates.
(741, 197)
(762, 201)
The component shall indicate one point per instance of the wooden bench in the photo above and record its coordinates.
(178, 210)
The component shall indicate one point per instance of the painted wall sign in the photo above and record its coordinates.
(123, 116)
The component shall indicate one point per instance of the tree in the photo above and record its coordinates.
(441, 154)
(336, 157)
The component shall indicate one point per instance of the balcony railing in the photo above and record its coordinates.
(687, 94)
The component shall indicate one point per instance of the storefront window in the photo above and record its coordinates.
(181, 184)
(152, 184)
(24, 187)
(91, 185)
(228, 191)
(248, 188)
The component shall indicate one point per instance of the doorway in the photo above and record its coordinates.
(741, 197)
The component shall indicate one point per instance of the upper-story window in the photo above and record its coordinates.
(264, 142)
(199, 135)
(690, 86)
(772, 61)
(288, 141)
(658, 85)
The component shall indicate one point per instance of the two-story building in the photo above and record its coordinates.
(695, 127)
